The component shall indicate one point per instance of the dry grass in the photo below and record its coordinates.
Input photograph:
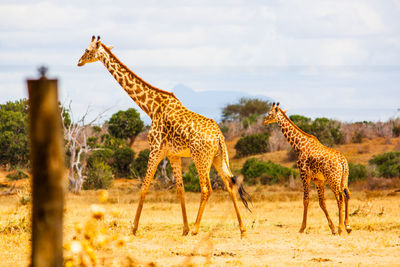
(272, 239)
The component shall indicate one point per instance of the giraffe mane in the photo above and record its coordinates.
(135, 75)
(297, 127)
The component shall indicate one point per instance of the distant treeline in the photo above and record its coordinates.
(105, 154)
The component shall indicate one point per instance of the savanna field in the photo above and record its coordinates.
(97, 224)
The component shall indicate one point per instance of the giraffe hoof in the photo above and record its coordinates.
(302, 230)
(194, 232)
(243, 234)
(340, 231)
(134, 231)
(348, 230)
(185, 232)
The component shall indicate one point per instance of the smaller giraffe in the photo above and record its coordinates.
(316, 163)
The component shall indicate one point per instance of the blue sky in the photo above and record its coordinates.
(337, 59)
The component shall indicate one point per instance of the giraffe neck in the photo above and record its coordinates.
(295, 136)
(147, 97)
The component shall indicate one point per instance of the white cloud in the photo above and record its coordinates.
(221, 39)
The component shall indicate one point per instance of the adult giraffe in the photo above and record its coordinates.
(316, 163)
(175, 132)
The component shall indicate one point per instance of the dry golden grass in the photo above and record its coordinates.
(272, 237)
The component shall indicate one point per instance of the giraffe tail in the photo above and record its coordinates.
(244, 196)
(345, 178)
(347, 193)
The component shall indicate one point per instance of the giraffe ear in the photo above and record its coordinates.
(284, 111)
(110, 47)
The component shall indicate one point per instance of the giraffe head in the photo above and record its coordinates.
(92, 52)
(272, 114)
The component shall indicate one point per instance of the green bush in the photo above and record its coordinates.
(140, 166)
(112, 142)
(388, 164)
(14, 148)
(357, 172)
(191, 179)
(252, 144)
(104, 155)
(258, 171)
(92, 141)
(123, 161)
(396, 130)
(357, 137)
(17, 175)
(125, 124)
(99, 176)
(327, 131)
(141, 163)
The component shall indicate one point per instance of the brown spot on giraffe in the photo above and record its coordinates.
(175, 132)
(316, 163)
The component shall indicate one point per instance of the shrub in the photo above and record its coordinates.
(327, 131)
(252, 144)
(357, 137)
(302, 122)
(191, 180)
(357, 172)
(140, 167)
(99, 176)
(125, 124)
(92, 141)
(141, 163)
(14, 148)
(123, 161)
(112, 142)
(255, 170)
(104, 155)
(396, 130)
(17, 175)
(388, 164)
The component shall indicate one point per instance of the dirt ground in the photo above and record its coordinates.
(272, 236)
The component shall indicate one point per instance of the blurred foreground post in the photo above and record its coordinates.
(47, 159)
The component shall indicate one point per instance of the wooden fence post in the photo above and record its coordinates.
(47, 159)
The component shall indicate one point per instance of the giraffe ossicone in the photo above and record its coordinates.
(316, 163)
(175, 132)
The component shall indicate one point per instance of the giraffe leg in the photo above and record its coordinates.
(226, 177)
(346, 219)
(320, 188)
(180, 190)
(203, 169)
(346, 191)
(339, 198)
(154, 158)
(306, 199)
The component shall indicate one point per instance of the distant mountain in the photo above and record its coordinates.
(210, 103)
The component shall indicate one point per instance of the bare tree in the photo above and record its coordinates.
(165, 179)
(76, 135)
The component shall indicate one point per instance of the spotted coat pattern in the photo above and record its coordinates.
(175, 132)
(316, 163)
